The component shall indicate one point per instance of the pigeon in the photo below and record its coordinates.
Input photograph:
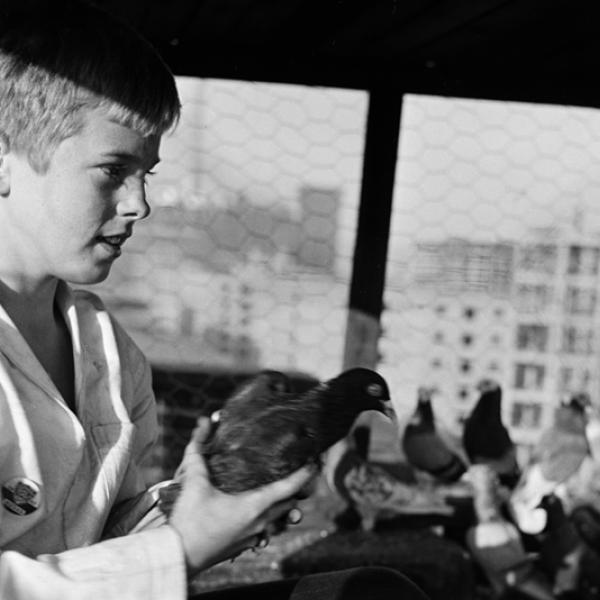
(496, 545)
(561, 547)
(289, 430)
(376, 491)
(556, 459)
(255, 394)
(586, 520)
(265, 431)
(424, 446)
(349, 518)
(486, 439)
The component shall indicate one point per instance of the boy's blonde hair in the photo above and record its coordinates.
(70, 56)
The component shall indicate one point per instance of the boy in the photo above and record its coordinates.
(83, 104)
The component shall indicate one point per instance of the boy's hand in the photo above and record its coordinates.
(215, 526)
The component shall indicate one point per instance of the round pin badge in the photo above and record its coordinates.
(21, 496)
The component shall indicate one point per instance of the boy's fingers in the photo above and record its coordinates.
(287, 487)
(192, 455)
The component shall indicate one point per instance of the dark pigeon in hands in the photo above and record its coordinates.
(249, 447)
(254, 395)
(424, 446)
(486, 439)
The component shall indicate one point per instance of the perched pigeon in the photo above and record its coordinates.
(379, 490)
(349, 518)
(586, 521)
(558, 456)
(376, 491)
(289, 430)
(496, 545)
(561, 547)
(425, 448)
(486, 439)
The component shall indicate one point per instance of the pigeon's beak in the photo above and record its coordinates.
(387, 409)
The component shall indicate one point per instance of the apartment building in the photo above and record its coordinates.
(523, 313)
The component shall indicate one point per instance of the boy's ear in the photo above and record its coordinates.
(4, 168)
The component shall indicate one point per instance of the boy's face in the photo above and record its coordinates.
(71, 221)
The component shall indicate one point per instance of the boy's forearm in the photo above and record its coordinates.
(144, 566)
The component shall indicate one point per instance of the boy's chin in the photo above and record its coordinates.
(88, 277)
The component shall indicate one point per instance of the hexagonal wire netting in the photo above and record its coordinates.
(246, 260)
(493, 264)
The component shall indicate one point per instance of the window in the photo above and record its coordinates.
(438, 337)
(540, 258)
(565, 378)
(436, 363)
(465, 365)
(580, 301)
(577, 340)
(583, 260)
(463, 393)
(532, 298)
(467, 339)
(526, 415)
(529, 376)
(532, 337)
(469, 313)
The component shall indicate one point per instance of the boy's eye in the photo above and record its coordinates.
(116, 172)
(148, 174)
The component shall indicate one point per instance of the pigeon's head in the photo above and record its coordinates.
(488, 385)
(425, 394)
(366, 390)
(550, 502)
(580, 402)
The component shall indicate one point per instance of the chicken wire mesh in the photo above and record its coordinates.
(246, 260)
(493, 264)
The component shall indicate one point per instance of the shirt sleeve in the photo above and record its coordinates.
(143, 566)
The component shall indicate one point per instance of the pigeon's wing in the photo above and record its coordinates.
(269, 446)
(427, 451)
(255, 394)
(562, 454)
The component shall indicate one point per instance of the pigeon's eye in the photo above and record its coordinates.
(374, 389)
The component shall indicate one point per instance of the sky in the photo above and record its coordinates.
(478, 169)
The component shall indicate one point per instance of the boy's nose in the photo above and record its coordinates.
(133, 204)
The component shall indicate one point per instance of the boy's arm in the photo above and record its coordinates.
(135, 499)
(144, 566)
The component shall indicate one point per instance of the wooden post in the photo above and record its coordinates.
(370, 252)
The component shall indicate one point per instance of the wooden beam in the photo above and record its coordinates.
(373, 228)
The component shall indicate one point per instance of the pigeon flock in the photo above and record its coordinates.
(532, 530)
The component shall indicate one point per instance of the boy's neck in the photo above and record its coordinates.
(28, 304)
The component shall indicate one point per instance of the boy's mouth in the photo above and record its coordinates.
(116, 241)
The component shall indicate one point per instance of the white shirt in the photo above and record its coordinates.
(70, 469)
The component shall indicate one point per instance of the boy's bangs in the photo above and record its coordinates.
(145, 124)
(82, 48)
